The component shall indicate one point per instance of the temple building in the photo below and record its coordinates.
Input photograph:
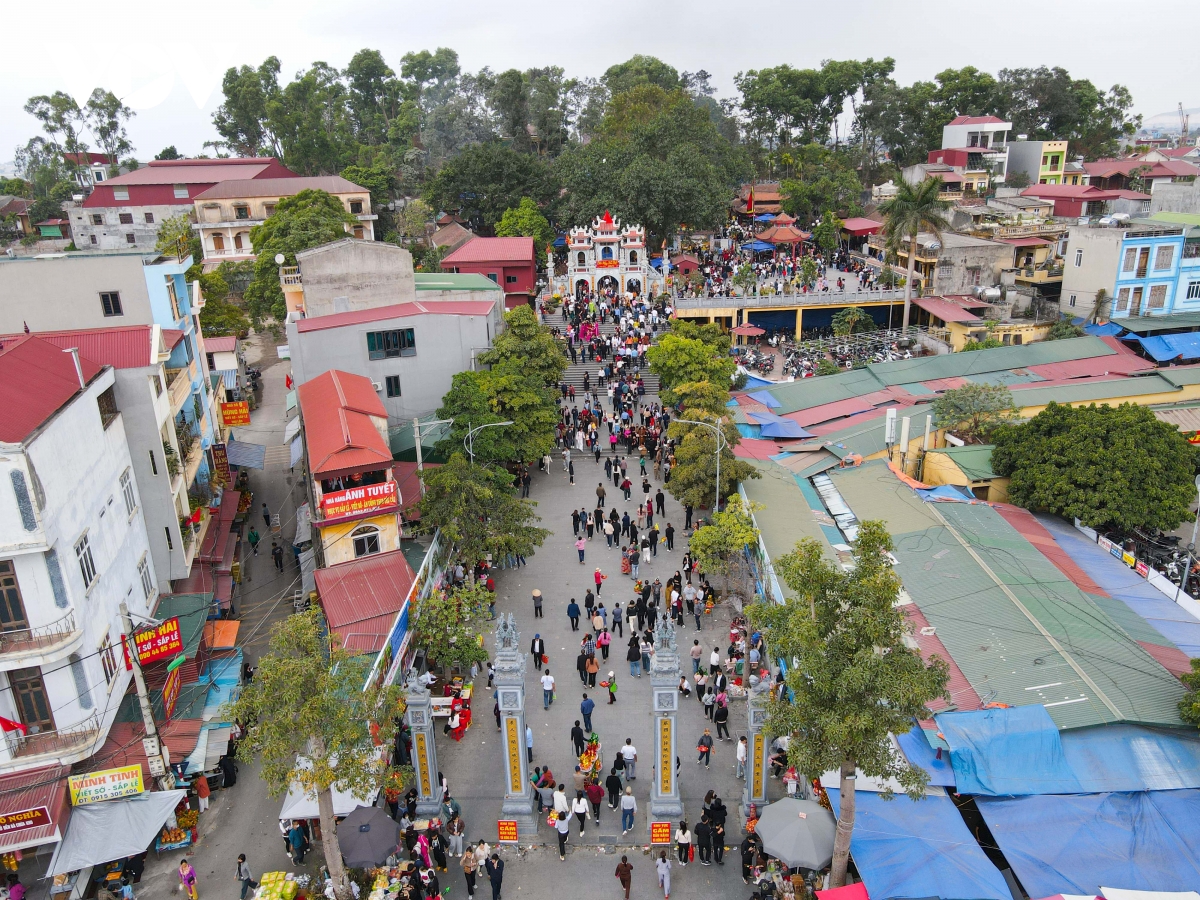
(608, 256)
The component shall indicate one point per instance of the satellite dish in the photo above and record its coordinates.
(280, 259)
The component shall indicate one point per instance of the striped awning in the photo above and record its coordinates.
(246, 455)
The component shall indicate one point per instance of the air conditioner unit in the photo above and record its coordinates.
(377, 385)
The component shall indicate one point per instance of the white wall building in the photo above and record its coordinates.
(984, 133)
(73, 546)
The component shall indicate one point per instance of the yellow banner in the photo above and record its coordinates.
(756, 768)
(423, 764)
(108, 784)
(514, 755)
(666, 764)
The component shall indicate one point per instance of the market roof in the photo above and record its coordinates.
(493, 249)
(279, 187)
(945, 310)
(340, 412)
(975, 460)
(1152, 324)
(361, 598)
(399, 311)
(454, 281)
(37, 379)
(858, 225)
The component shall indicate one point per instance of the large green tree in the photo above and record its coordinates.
(308, 219)
(678, 360)
(854, 678)
(527, 347)
(526, 220)
(974, 410)
(912, 210)
(694, 477)
(478, 510)
(822, 180)
(503, 394)
(719, 547)
(243, 119)
(483, 181)
(448, 626)
(640, 70)
(106, 116)
(1048, 104)
(1115, 468)
(310, 722)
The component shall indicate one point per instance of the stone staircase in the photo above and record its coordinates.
(575, 371)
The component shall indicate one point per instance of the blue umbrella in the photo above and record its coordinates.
(765, 217)
(758, 246)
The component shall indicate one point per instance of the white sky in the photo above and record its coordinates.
(166, 60)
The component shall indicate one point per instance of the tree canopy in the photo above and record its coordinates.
(526, 346)
(449, 625)
(719, 546)
(974, 410)
(526, 220)
(854, 679)
(678, 360)
(308, 219)
(503, 394)
(1115, 468)
(484, 181)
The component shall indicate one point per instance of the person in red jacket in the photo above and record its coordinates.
(595, 795)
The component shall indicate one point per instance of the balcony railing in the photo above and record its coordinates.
(289, 275)
(813, 298)
(231, 251)
(179, 387)
(64, 740)
(40, 638)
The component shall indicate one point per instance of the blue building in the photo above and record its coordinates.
(1158, 270)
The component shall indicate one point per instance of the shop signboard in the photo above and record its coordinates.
(163, 641)
(506, 831)
(358, 501)
(107, 784)
(221, 463)
(235, 413)
(24, 820)
(170, 692)
(660, 832)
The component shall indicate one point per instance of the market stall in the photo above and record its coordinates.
(100, 833)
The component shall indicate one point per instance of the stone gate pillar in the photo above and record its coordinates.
(510, 686)
(755, 791)
(665, 802)
(419, 715)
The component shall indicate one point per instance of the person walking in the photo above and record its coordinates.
(577, 738)
(704, 747)
(703, 840)
(573, 614)
(683, 843)
(537, 604)
(721, 717)
(579, 807)
(612, 688)
(581, 545)
(599, 578)
(562, 825)
(634, 656)
(253, 538)
(537, 649)
(298, 842)
(528, 744)
(547, 689)
(612, 784)
(624, 874)
(187, 875)
(277, 555)
(696, 652)
(742, 752)
(495, 871)
(202, 792)
(595, 796)
(266, 516)
(629, 754)
(669, 534)
(243, 875)
(663, 866)
(470, 867)
(586, 707)
(600, 494)
(618, 620)
(456, 830)
(628, 810)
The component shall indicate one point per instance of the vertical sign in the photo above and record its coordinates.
(170, 692)
(506, 831)
(423, 764)
(756, 767)
(221, 461)
(666, 764)
(514, 754)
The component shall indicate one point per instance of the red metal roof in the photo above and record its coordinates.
(408, 486)
(124, 744)
(754, 448)
(1067, 192)
(944, 309)
(45, 786)
(81, 159)
(977, 120)
(828, 412)
(1124, 362)
(398, 311)
(37, 379)
(279, 187)
(221, 344)
(122, 347)
(857, 225)
(172, 337)
(1105, 168)
(361, 598)
(153, 185)
(1024, 241)
(496, 249)
(339, 428)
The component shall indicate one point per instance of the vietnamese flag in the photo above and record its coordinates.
(750, 201)
(10, 725)
(288, 382)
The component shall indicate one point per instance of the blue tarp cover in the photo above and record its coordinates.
(774, 426)
(919, 848)
(1019, 751)
(1162, 348)
(765, 399)
(764, 217)
(918, 752)
(1107, 330)
(1146, 840)
(755, 382)
(757, 246)
(947, 493)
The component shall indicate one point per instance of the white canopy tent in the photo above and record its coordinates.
(113, 829)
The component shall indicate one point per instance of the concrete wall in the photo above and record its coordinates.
(444, 347)
(1095, 269)
(957, 277)
(64, 292)
(111, 234)
(352, 274)
(1165, 196)
(73, 468)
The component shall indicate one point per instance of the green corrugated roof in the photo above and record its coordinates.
(873, 491)
(1152, 324)
(867, 437)
(450, 281)
(1095, 391)
(978, 362)
(786, 516)
(1181, 375)
(1176, 218)
(805, 393)
(974, 460)
(190, 704)
(193, 610)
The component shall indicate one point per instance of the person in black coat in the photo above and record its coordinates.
(614, 786)
(495, 871)
(702, 834)
(578, 739)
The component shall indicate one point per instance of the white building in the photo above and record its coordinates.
(73, 546)
(986, 135)
(607, 255)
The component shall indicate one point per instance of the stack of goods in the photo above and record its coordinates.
(277, 886)
(590, 760)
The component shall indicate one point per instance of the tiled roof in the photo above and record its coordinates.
(398, 311)
(197, 171)
(227, 344)
(37, 379)
(279, 187)
(496, 249)
(122, 347)
(361, 598)
(857, 225)
(124, 744)
(339, 429)
(977, 120)
(944, 309)
(1068, 192)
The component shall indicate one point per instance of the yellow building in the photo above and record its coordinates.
(227, 211)
(969, 466)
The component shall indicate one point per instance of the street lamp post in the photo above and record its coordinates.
(469, 438)
(1191, 548)
(716, 429)
(417, 426)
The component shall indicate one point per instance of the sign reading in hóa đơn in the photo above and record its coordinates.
(359, 500)
(161, 642)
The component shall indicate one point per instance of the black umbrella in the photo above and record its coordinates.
(368, 836)
(798, 832)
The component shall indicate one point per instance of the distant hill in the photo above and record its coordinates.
(1169, 121)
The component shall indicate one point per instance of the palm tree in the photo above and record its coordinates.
(912, 210)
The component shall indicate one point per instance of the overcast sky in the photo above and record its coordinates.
(166, 60)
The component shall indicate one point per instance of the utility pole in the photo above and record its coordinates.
(152, 744)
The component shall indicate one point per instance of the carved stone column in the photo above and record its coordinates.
(419, 715)
(510, 686)
(665, 802)
(755, 790)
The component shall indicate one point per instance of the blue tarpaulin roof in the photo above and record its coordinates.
(947, 493)
(919, 848)
(774, 426)
(1145, 840)
(560, 241)
(918, 752)
(766, 399)
(1162, 348)
(755, 382)
(1019, 751)
(1106, 330)
(758, 246)
(764, 217)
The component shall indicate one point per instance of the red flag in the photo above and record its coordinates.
(288, 381)
(750, 201)
(10, 725)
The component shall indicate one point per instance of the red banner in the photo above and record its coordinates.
(608, 264)
(24, 820)
(359, 500)
(235, 413)
(506, 831)
(171, 692)
(163, 642)
(660, 832)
